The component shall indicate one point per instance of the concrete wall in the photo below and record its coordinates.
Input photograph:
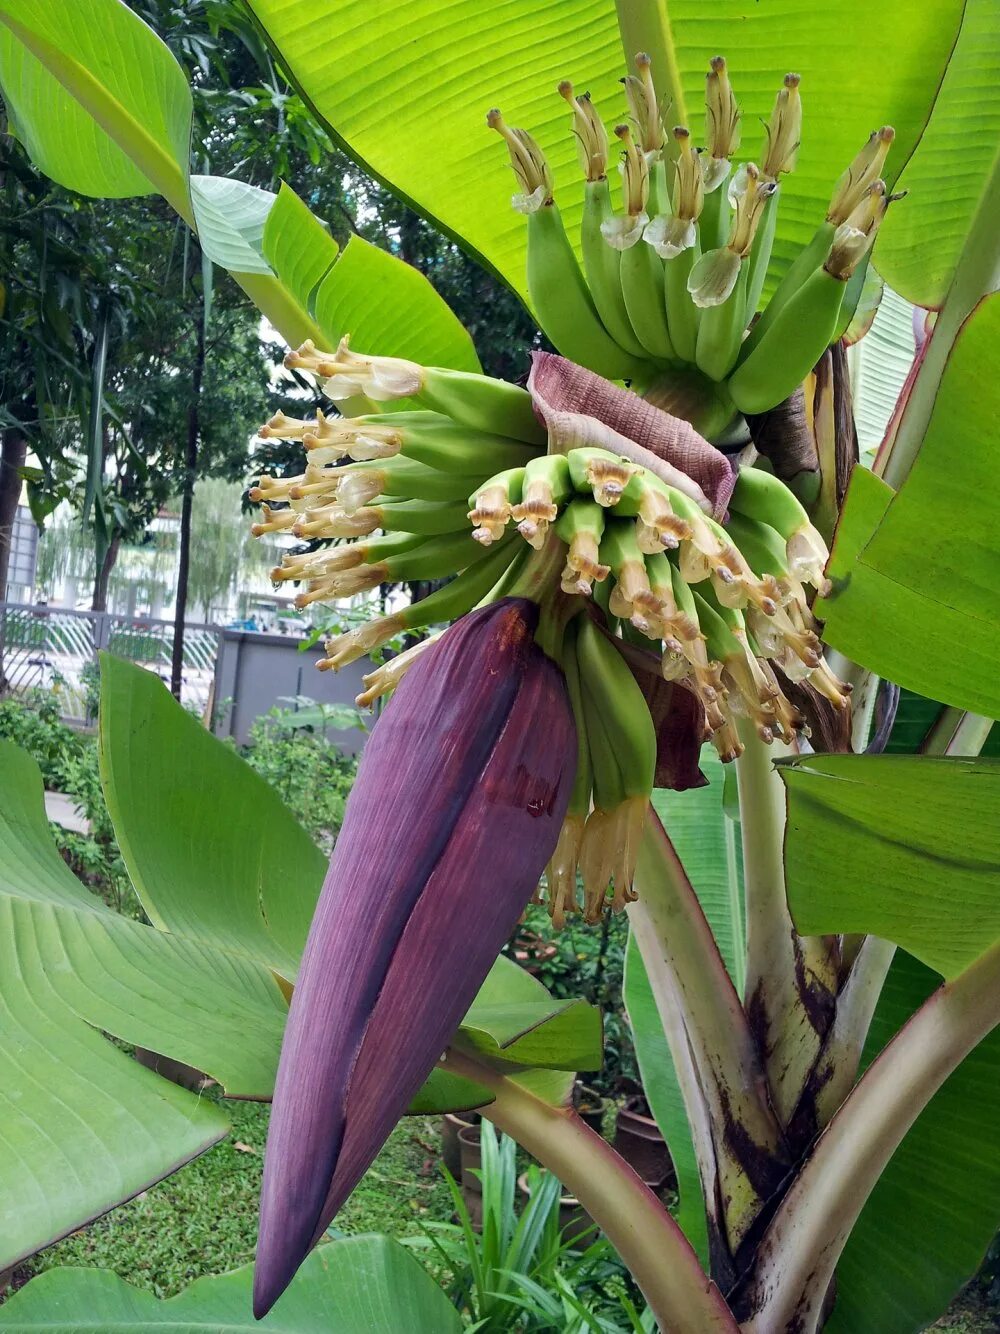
(253, 671)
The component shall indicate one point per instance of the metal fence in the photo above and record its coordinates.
(56, 648)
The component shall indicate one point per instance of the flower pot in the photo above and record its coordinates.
(589, 1105)
(575, 1224)
(640, 1143)
(471, 1157)
(451, 1124)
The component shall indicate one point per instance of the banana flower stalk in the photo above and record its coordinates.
(456, 810)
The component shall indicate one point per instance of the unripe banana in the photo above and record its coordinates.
(581, 526)
(399, 477)
(491, 504)
(654, 504)
(546, 485)
(642, 287)
(420, 516)
(760, 256)
(810, 258)
(434, 558)
(716, 216)
(762, 496)
(602, 265)
(426, 437)
(795, 341)
(607, 679)
(619, 550)
(762, 546)
(562, 302)
(476, 401)
(599, 471)
(444, 604)
(720, 330)
(482, 404)
(683, 316)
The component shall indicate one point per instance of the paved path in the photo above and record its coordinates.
(63, 811)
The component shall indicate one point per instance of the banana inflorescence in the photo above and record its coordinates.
(670, 285)
(631, 573)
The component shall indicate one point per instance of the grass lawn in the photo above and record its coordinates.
(203, 1219)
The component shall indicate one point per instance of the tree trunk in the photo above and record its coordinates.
(99, 602)
(187, 497)
(13, 452)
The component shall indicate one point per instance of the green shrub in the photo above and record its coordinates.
(306, 769)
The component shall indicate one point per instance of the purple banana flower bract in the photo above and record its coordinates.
(457, 807)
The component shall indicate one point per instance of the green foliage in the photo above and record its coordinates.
(363, 1285)
(582, 960)
(517, 1270)
(306, 769)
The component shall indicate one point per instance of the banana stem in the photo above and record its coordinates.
(676, 939)
(801, 1247)
(780, 964)
(651, 1244)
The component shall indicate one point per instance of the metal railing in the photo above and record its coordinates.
(56, 648)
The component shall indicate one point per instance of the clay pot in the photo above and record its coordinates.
(575, 1224)
(589, 1105)
(638, 1140)
(451, 1124)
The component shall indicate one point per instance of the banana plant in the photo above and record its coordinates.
(644, 567)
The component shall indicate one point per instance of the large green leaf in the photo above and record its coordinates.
(708, 845)
(951, 173)
(69, 71)
(212, 851)
(659, 1083)
(914, 572)
(297, 246)
(82, 1126)
(926, 1226)
(230, 217)
(880, 363)
(389, 308)
(904, 847)
(406, 89)
(546, 1034)
(357, 1285)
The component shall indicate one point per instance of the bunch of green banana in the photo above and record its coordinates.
(719, 604)
(616, 761)
(684, 305)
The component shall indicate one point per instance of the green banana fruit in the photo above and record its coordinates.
(482, 404)
(599, 471)
(794, 342)
(420, 516)
(810, 258)
(602, 265)
(619, 550)
(762, 546)
(760, 256)
(562, 301)
(683, 316)
(720, 329)
(546, 485)
(399, 477)
(426, 437)
(444, 604)
(491, 503)
(581, 526)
